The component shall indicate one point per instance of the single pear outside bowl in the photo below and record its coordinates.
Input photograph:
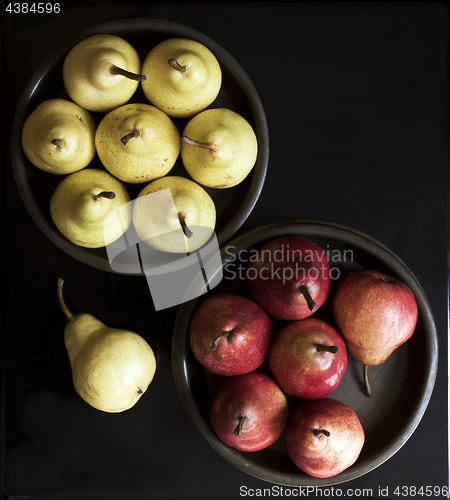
(219, 148)
(102, 72)
(111, 367)
(58, 137)
(137, 143)
(81, 204)
(183, 77)
(174, 214)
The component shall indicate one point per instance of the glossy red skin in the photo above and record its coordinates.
(289, 262)
(257, 396)
(300, 369)
(251, 332)
(324, 456)
(375, 313)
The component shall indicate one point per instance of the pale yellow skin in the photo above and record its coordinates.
(181, 95)
(144, 158)
(72, 126)
(87, 77)
(111, 368)
(157, 222)
(235, 144)
(81, 218)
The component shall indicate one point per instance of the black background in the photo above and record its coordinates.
(356, 99)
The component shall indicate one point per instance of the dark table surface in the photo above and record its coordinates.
(356, 99)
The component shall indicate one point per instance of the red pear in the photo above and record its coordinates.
(249, 412)
(230, 335)
(289, 277)
(324, 437)
(375, 313)
(308, 358)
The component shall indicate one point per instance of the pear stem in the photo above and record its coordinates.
(129, 136)
(110, 195)
(115, 70)
(205, 145)
(59, 294)
(329, 348)
(175, 65)
(303, 289)
(59, 143)
(318, 432)
(242, 419)
(182, 218)
(218, 339)
(366, 381)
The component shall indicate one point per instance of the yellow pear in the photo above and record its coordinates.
(81, 204)
(219, 148)
(111, 367)
(102, 72)
(58, 137)
(137, 143)
(174, 214)
(183, 77)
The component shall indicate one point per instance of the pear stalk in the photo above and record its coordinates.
(129, 136)
(182, 218)
(59, 293)
(59, 143)
(218, 339)
(329, 348)
(366, 381)
(318, 432)
(176, 65)
(205, 145)
(303, 289)
(240, 425)
(115, 70)
(110, 195)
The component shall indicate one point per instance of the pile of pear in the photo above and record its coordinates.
(138, 142)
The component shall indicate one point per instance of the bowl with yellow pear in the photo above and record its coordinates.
(116, 64)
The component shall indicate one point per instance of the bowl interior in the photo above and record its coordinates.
(401, 386)
(238, 93)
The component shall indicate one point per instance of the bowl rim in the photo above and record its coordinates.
(360, 240)
(164, 27)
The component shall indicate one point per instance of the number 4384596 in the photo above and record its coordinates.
(423, 491)
(33, 8)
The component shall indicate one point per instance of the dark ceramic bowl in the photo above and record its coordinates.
(401, 386)
(238, 93)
